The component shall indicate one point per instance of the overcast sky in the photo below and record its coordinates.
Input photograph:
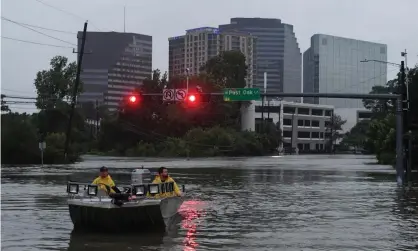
(383, 21)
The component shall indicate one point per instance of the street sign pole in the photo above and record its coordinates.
(42, 146)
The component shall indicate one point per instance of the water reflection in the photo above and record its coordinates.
(87, 242)
(193, 213)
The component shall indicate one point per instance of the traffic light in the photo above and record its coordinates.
(132, 99)
(191, 98)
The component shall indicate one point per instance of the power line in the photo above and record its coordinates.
(37, 43)
(44, 28)
(9, 20)
(66, 12)
(11, 90)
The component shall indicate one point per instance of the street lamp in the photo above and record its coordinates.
(187, 79)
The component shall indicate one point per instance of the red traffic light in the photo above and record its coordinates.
(132, 99)
(191, 98)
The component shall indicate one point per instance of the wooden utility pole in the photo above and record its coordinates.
(74, 98)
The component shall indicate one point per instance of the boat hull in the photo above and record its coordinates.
(103, 216)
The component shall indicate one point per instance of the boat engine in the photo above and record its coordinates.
(141, 176)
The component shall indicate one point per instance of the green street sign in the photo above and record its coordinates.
(241, 94)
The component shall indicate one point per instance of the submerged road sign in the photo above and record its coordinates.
(242, 94)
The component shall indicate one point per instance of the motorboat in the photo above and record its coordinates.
(142, 206)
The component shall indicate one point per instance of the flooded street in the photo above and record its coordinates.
(314, 202)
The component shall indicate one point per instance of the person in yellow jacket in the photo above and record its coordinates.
(164, 177)
(105, 182)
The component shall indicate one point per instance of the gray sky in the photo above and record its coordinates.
(383, 21)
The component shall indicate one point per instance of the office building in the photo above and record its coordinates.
(303, 126)
(194, 49)
(114, 64)
(332, 65)
(277, 53)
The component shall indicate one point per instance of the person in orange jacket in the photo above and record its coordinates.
(164, 177)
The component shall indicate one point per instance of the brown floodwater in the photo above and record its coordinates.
(306, 202)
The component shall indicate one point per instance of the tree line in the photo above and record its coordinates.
(378, 135)
(152, 128)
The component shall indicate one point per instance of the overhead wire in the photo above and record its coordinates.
(45, 28)
(37, 43)
(66, 12)
(9, 20)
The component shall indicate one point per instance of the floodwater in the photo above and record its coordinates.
(339, 202)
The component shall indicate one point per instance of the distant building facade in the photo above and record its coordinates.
(332, 65)
(191, 51)
(277, 53)
(113, 65)
(303, 126)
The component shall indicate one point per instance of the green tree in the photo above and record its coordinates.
(4, 106)
(228, 70)
(55, 86)
(357, 136)
(19, 143)
(333, 130)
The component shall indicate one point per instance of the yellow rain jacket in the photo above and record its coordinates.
(107, 181)
(176, 191)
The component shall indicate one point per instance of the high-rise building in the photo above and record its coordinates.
(194, 49)
(332, 65)
(114, 64)
(277, 53)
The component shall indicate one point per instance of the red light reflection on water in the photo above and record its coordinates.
(192, 212)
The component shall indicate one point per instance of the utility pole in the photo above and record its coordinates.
(405, 101)
(77, 83)
(293, 131)
(97, 118)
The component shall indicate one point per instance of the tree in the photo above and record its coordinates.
(333, 129)
(379, 107)
(357, 136)
(228, 70)
(4, 107)
(381, 137)
(55, 86)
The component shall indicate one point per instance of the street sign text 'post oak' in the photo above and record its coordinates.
(241, 94)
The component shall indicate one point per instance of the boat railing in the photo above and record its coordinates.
(88, 190)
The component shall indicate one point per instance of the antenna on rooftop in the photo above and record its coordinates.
(124, 18)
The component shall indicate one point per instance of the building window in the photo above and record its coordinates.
(287, 134)
(307, 123)
(304, 111)
(315, 135)
(307, 146)
(317, 112)
(287, 122)
(328, 113)
(300, 146)
(321, 135)
(304, 135)
(289, 110)
(315, 123)
(300, 122)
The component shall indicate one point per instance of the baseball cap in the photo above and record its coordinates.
(103, 169)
